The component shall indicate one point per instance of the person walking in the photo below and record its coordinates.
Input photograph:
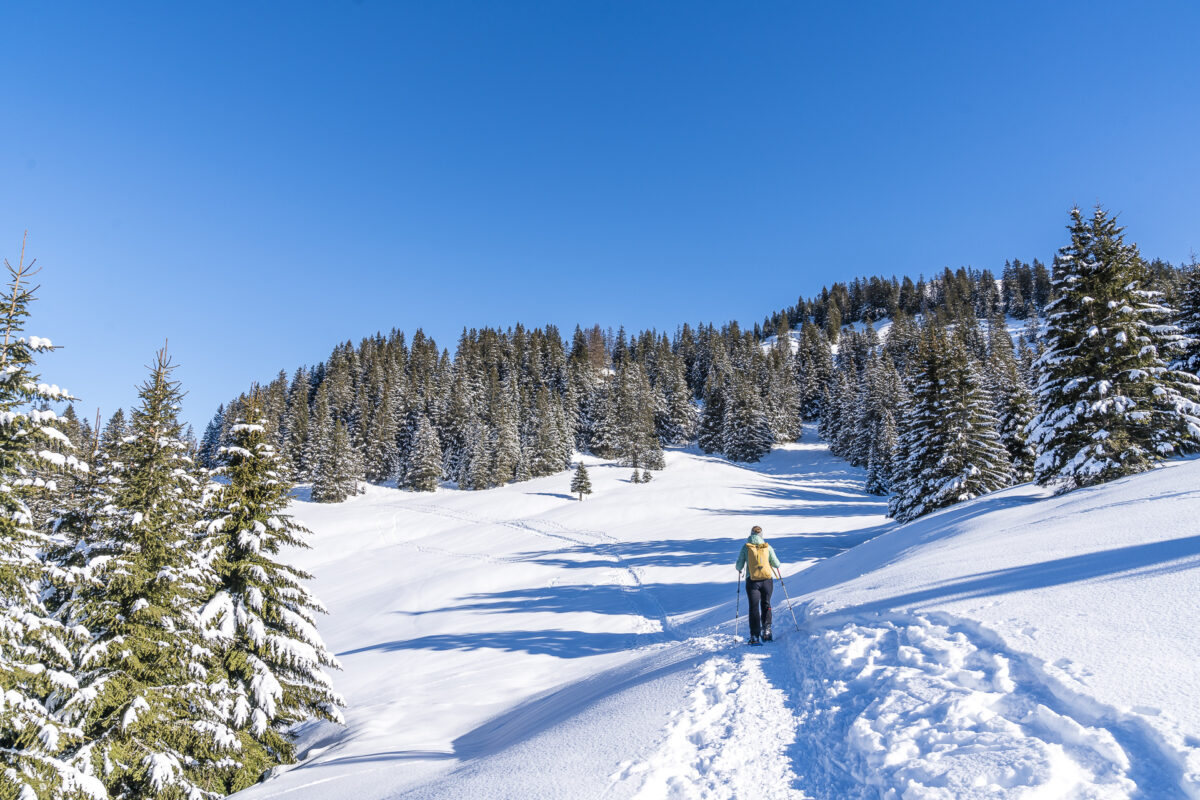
(758, 559)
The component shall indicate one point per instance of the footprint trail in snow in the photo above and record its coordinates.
(731, 740)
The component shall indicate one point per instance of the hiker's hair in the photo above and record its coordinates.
(756, 529)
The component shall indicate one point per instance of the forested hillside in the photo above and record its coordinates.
(939, 409)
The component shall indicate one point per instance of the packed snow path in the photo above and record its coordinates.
(518, 643)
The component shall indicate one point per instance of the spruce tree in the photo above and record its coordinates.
(380, 459)
(747, 429)
(1188, 357)
(211, 441)
(711, 435)
(1012, 400)
(882, 454)
(679, 418)
(115, 430)
(632, 417)
(581, 483)
(261, 614)
(425, 463)
(505, 445)
(546, 451)
(1109, 405)
(153, 705)
(814, 365)
(35, 666)
(948, 450)
(297, 426)
(339, 469)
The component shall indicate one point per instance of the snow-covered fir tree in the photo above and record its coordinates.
(629, 417)
(1188, 357)
(948, 450)
(1109, 404)
(881, 457)
(425, 462)
(380, 458)
(261, 615)
(747, 430)
(153, 705)
(814, 365)
(1012, 400)
(505, 443)
(679, 419)
(210, 442)
(581, 482)
(114, 432)
(711, 433)
(782, 396)
(338, 470)
(35, 664)
(296, 425)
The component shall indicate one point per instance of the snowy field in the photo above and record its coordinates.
(515, 643)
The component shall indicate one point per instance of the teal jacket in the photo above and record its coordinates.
(756, 539)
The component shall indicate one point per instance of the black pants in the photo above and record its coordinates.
(759, 593)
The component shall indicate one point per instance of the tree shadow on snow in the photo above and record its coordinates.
(792, 548)
(563, 644)
(807, 501)
(674, 598)
(559, 495)
(545, 711)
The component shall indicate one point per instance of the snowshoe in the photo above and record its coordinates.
(755, 641)
(768, 636)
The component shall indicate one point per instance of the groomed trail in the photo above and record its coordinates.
(518, 643)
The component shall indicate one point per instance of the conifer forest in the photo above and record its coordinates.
(155, 642)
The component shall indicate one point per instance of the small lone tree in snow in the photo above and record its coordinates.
(581, 484)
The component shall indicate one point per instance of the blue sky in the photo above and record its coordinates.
(257, 181)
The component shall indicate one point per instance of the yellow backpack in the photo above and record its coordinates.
(758, 561)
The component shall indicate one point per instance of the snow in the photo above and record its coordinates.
(517, 642)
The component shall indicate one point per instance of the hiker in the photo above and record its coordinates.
(758, 559)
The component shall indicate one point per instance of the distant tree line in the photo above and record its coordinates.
(938, 410)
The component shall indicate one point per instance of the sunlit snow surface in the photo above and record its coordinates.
(517, 643)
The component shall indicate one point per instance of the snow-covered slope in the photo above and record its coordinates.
(518, 643)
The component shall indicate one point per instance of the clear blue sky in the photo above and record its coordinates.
(257, 181)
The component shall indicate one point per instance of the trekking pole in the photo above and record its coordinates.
(789, 600)
(737, 604)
